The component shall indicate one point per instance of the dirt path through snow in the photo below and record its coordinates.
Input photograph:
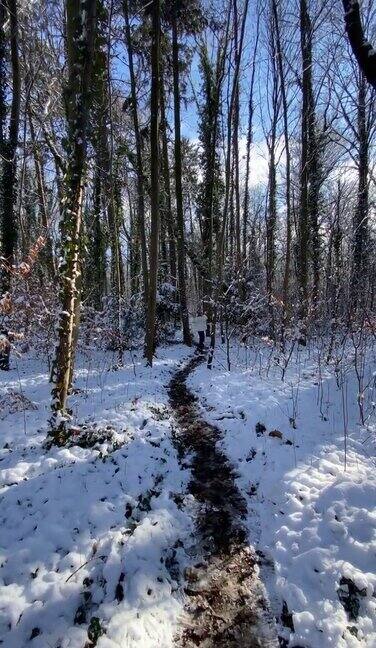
(226, 606)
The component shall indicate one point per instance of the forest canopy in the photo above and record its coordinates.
(172, 158)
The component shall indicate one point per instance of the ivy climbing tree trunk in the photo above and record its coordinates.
(80, 34)
(178, 183)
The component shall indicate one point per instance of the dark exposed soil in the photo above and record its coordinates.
(227, 606)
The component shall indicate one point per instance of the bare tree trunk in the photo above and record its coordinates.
(236, 178)
(249, 140)
(178, 184)
(8, 146)
(140, 174)
(109, 185)
(271, 217)
(364, 53)
(49, 255)
(304, 207)
(109, 200)
(167, 190)
(286, 274)
(154, 173)
(213, 89)
(3, 83)
(96, 275)
(80, 29)
(134, 256)
(360, 223)
(222, 232)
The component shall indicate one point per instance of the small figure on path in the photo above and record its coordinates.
(4, 350)
(6, 339)
(198, 326)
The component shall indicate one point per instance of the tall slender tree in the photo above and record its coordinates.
(251, 110)
(8, 144)
(211, 187)
(360, 222)
(223, 225)
(271, 214)
(282, 81)
(154, 174)
(178, 180)
(139, 160)
(307, 146)
(165, 168)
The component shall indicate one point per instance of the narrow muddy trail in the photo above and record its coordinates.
(227, 607)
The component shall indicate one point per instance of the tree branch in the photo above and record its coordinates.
(364, 53)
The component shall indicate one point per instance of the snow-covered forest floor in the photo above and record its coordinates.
(312, 517)
(97, 538)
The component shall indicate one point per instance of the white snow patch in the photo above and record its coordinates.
(312, 519)
(92, 529)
